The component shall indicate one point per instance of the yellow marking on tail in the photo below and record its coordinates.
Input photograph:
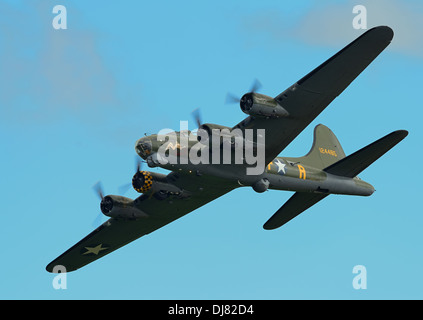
(328, 151)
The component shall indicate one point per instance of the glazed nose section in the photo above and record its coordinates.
(143, 147)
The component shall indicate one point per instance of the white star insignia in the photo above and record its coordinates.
(280, 165)
(95, 250)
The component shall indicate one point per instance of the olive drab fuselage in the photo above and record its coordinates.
(283, 173)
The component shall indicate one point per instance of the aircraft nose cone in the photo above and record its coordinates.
(137, 147)
(143, 147)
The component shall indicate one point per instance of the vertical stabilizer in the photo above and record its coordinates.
(325, 151)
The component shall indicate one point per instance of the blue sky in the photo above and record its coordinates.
(73, 102)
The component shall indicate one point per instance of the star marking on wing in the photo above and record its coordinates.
(95, 250)
(281, 166)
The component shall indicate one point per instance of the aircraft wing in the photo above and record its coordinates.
(309, 96)
(116, 233)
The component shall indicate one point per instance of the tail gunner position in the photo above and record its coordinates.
(199, 176)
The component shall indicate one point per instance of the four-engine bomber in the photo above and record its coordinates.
(218, 159)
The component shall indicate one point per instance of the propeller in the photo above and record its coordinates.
(138, 164)
(232, 98)
(138, 167)
(98, 189)
(197, 116)
(256, 86)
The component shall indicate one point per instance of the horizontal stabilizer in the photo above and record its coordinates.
(298, 203)
(355, 163)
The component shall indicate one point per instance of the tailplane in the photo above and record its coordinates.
(355, 163)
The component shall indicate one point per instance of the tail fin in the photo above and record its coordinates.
(325, 151)
(355, 163)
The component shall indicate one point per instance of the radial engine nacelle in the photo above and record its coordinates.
(259, 105)
(120, 207)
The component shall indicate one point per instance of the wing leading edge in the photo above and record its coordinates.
(309, 96)
(116, 233)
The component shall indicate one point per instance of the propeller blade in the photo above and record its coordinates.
(231, 98)
(197, 117)
(124, 188)
(98, 220)
(138, 164)
(256, 86)
(138, 167)
(98, 189)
